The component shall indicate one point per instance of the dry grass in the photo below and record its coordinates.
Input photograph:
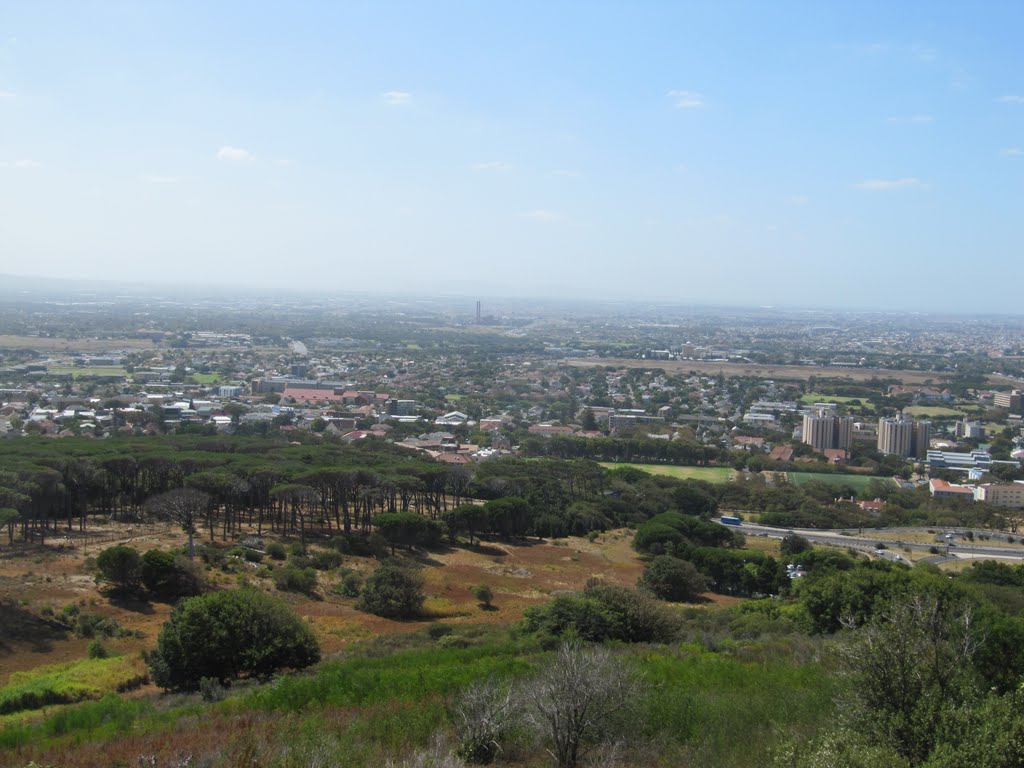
(519, 574)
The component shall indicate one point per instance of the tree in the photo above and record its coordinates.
(912, 667)
(673, 579)
(185, 506)
(576, 698)
(169, 575)
(794, 544)
(227, 635)
(121, 566)
(402, 529)
(8, 517)
(392, 591)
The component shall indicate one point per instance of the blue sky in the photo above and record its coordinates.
(814, 154)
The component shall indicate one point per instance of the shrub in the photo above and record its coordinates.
(483, 594)
(605, 612)
(89, 624)
(439, 629)
(170, 575)
(97, 650)
(326, 560)
(291, 579)
(158, 572)
(120, 565)
(351, 585)
(392, 591)
(672, 579)
(226, 635)
(276, 551)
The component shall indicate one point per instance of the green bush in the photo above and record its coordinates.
(326, 560)
(170, 575)
(392, 591)
(291, 579)
(226, 635)
(276, 551)
(605, 612)
(97, 650)
(351, 585)
(89, 624)
(121, 566)
(483, 594)
(672, 579)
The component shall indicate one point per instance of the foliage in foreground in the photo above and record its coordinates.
(227, 635)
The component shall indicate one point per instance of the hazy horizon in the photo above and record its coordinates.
(730, 154)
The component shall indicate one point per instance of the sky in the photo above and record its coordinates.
(866, 154)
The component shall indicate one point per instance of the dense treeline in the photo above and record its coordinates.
(259, 483)
(48, 487)
(638, 449)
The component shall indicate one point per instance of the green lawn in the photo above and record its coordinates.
(856, 481)
(206, 378)
(817, 397)
(933, 411)
(711, 474)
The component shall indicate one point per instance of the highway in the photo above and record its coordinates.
(866, 541)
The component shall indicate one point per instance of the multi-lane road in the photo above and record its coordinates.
(867, 540)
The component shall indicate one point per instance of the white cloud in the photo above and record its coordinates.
(396, 98)
(1013, 152)
(913, 120)
(798, 200)
(21, 164)
(1011, 99)
(7, 94)
(686, 99)
(494, 165)
(163, 179)
(881, 185)
(234, 154)
(542, 215)
(566, 173)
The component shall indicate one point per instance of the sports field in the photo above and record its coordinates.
(711, 474)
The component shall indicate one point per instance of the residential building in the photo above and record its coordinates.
(1006, 495)
(823, 430)
(970, 430)
(1012, 401)
(904, 437)
(940, 489)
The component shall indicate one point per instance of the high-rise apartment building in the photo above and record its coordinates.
(823, 430)
(904, 437)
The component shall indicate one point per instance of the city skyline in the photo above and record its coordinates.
(729, 154)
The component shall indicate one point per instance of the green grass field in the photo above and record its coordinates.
(817, 397)
(933, 411)
(856, 481)
(711, 474)
(206, 378)
(71, 682)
